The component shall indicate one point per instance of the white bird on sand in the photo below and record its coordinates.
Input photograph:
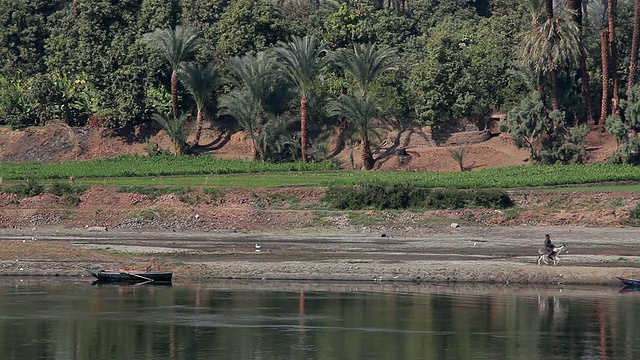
(258, 247)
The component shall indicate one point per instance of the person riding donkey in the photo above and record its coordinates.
(548, 245)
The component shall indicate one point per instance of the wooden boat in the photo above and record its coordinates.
(629, 282)
(131, 275)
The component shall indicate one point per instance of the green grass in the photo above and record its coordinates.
(146, 166)
(209, 171)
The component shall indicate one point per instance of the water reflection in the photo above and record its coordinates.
(243, 321)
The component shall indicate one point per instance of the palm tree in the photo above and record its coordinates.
(239, 104)
(253, 79)
(300, 60)
(364, 64)
(175, 128)
(255, 74)
(611, 9)
(176, 46)
(549, 46)
(200, 81)
(633, 57)
(360, 110)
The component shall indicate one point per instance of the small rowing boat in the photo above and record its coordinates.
(629, 282)
(131, 275)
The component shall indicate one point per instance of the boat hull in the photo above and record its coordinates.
(630, 282)
(131, 276)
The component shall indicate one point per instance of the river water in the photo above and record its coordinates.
(77, 320)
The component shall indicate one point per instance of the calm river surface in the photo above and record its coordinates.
(77, 320)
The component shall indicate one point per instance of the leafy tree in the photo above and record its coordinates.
(200, 81)
(175, 46)
(248, 26)
(462, 72)
(528, 123)
(175, 128)
(632, 109)
(22, 33)
(101, 39)
(204, 15)
(300, 61)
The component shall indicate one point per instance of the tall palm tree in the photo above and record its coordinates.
(300, 60)
(575, 6)
(176, 46)
(200, 81)
(175, 128)
(604, 55)
(598, 19)
(364, 64)
(611, 9)
(535, 9)
(549, 46)
(633, 57)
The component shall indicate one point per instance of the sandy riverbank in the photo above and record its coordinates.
(468, 254)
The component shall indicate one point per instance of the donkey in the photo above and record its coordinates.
(544, 255)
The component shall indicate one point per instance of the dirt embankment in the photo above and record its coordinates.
(300, 239)
(216, 238)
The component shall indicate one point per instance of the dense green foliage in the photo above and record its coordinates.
(409, 196)
(169, 170)
(99, 62)
(131, 166)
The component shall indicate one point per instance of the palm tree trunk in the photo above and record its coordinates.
(611, 8)
(634, 47)
(174, 93)
(555, 101)
(304, 116)
(604, 53)
(367, 156)
(549, 8)
(255, 149)
(199, 120)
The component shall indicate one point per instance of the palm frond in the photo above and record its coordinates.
(199, 80)
(175, 128)
(254, 74)
(239, 105)
(366, 62)
(175, 45)
(358, 110)
(300, 60)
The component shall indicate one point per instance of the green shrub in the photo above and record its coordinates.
(634, 214)
(406, 196)
(27, 188)
(61, 189)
